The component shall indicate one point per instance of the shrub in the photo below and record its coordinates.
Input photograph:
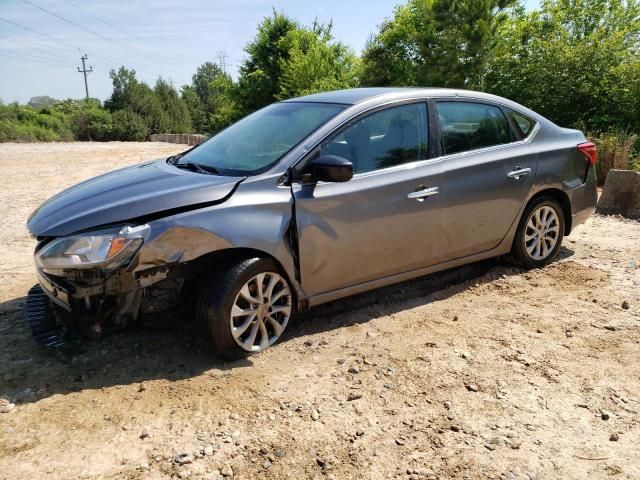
(91, 123)
(615, 151)
(128, 126)
(23, 124)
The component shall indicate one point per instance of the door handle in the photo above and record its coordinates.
(519, 172)
(422, 193)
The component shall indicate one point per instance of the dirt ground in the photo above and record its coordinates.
(482, 372)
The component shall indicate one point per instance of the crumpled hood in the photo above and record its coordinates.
(126, 194)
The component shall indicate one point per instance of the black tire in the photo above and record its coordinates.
(519, 254)
(217, 297)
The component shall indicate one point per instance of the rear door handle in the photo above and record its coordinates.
(424, 192)
(519, 172)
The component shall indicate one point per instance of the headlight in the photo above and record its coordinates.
(107, 249)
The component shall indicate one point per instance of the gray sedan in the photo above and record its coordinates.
(304, 202)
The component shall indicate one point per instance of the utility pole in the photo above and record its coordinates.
(222, 55)
(85, 72)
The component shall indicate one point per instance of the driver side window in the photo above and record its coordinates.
(390, 137)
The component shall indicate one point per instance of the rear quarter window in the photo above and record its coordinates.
(523, 124)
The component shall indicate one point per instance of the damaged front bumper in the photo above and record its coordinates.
(60, 310)
(92, 300)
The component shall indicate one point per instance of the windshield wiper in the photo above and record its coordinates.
(197, 167)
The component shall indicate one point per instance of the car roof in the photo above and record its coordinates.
(354, 96)
(380, 95)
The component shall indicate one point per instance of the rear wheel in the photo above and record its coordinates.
(245, 308)
(540, 233)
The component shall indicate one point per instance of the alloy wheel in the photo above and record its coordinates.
(542, 232)
(261, 311)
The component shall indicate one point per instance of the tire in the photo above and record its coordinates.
(229, 311)
(528, 251)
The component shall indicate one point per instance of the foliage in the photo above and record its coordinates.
(210, 99)
(444, 43)
(128, 126)
(615, 150)
(161, 110)
(175, 108)
(575, 62)
(39, 102)
(287, 59)
(21, 123)
(259, 82)
(315, 63)
(91, 122)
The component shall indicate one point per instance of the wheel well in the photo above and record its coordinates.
(207, 263)
(563, 200)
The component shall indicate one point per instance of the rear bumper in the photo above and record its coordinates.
(583, 199)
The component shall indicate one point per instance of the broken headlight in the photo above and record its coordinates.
(106, 249)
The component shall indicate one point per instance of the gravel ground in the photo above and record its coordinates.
(482, 372)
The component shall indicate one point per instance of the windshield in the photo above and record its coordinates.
(261, 139)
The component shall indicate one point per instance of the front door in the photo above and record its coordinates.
(487, 175)
(387, 219)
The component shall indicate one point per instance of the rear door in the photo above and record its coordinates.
(387, 219)
(488, 170)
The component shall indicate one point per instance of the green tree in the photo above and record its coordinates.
(91, 122)
(315, 63)
(259, 81)
(128, 126)
(287, 59)
(40, 102)
(574, 61)
(211, 98)
(177, 112)
(139, 98)
(443, 43)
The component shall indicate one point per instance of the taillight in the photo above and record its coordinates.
(589, 150)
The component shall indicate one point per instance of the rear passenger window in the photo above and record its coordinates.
(523, 124)
(468, 126)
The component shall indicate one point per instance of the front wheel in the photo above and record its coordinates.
(245, 308)
(540, 233)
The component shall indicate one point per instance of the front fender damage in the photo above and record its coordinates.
(160, 283)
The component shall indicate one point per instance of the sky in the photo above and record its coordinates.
(41, 41)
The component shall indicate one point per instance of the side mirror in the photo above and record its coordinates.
(331, 168)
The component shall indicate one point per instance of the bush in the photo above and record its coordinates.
(128, 126)
(92, 123)
(23, 124)
(615, 151)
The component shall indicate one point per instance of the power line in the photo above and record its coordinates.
(109, 24)
(84, 71)
(115, 27)
(99, 35)
(95, 16)
(49, 37)
(30, 58)
(37, 33)
(42, 51)
(111, 60)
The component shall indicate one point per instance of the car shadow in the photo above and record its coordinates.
(174, 352)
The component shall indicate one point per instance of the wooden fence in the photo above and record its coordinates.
(183, 138)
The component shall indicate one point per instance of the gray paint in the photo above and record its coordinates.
(352, 236)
